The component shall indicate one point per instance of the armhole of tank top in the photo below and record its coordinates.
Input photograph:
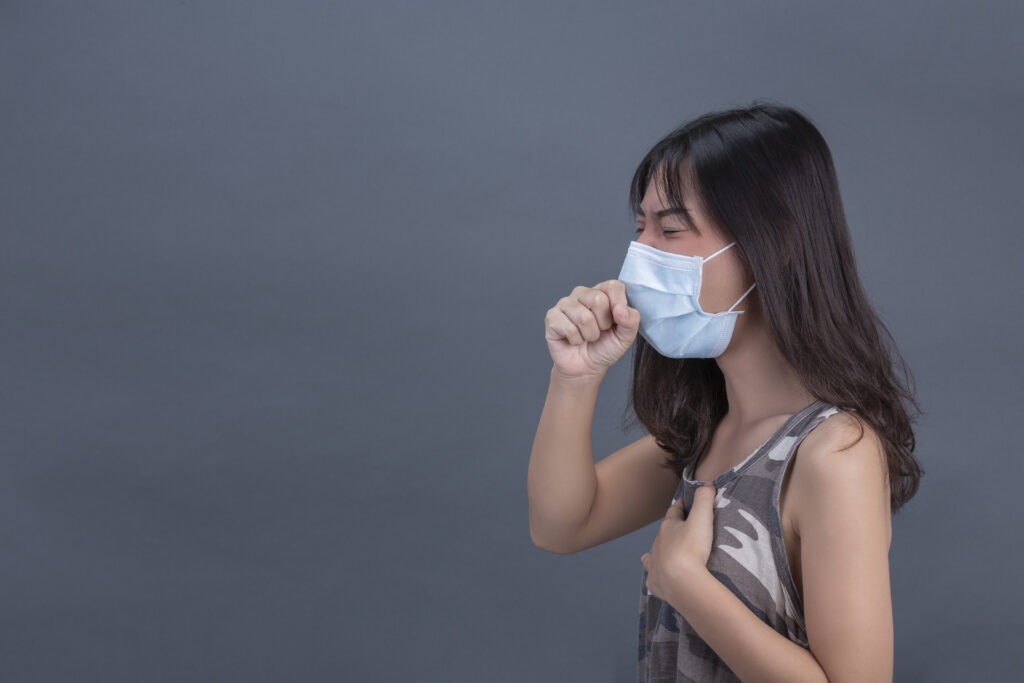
(794, 605)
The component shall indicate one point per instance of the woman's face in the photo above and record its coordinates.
(688, 231)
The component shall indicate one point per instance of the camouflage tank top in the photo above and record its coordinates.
(748, 556)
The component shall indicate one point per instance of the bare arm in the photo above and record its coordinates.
(843, 518)
(844, 524)
(573, 503)
(584, 505)
(561, 478)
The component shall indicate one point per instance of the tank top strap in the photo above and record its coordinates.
(783, 449)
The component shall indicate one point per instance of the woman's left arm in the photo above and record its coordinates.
(845, 528)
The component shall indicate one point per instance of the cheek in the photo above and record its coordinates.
(721, 287)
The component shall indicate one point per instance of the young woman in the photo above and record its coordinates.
(754, 344)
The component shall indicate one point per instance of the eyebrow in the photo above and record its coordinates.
(666, 212)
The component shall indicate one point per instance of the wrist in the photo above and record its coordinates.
(688, 586)
(576, 382)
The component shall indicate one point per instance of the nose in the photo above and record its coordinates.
(651, 239)
(646, 238)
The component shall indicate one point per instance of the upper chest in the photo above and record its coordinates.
(716, 463)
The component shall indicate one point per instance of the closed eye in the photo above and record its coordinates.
(664, 232)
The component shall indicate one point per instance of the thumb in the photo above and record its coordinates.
(627, 320)
(703, 503)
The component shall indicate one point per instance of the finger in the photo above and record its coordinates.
(581, 315)
(676, 508)
(703, 507)
(561, 327)
(597, 301)
(615, 290)
(623, 315)
(627, 318)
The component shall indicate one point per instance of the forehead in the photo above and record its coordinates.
(656, 200)
(656, 193)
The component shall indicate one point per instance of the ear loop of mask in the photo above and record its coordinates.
(719, 251)
(741, 298)
(744, 293)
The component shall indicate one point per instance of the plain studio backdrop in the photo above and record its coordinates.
(274, 277)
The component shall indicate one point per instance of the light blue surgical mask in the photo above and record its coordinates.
(665, 288)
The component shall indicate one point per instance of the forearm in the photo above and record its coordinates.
(561, 476)
(754, 651)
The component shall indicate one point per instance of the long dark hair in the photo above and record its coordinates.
(764, 175)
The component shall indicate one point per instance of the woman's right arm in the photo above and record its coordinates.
(573, 503)
(561, 478)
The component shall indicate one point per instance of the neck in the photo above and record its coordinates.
(759, 381)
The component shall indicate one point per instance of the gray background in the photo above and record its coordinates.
(274, 277)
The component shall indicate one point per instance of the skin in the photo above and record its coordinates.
(834, 505)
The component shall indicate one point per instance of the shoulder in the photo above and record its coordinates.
(845, 535)
(841, 470)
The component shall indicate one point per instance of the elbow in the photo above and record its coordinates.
(546, 544)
